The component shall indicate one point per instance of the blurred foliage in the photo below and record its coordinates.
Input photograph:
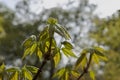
(107, 33)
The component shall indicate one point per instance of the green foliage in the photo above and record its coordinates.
(107, 33)
(46, 49)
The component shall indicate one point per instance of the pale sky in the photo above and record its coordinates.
(104, 7)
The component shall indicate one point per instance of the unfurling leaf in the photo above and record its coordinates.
(92, 75)
(52, 21)
(15, 76)
(59, 73)
(68, 52)
(82, 60)
(13, 69)
(26, 52)
(57, 58)
(67, 45)
(62, 31)
(28, 42)
(75, 74)
(32, 69)
(2, 68)
(27, 74)
(39, 53)
(66, 75)
(33, 48)
(95, 58)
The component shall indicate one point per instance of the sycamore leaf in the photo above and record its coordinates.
(68, 52)
(32, 69)
(39, 53)
(67, 45)
(75, 73)
(57, 58)
(14, 76)
(92, 75)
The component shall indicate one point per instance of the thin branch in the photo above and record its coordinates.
(86, 68)
(40, 70)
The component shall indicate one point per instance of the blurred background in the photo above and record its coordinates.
(90, 23)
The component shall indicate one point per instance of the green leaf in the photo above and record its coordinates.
(67, 45)
(27, 74)
(52, 21)
(39, 53)
(62, 31)
(2, 68)
(92, 75)
(28, 42)
(82, 60)
(14, 76)
(101, 55)
(33, 48)
(44, 34)
(66, 75)
(95, 58)
(68, 52)
(59, 73)
(75, 73)
(57, 58)
(13, 69)
(32, 69)
(26, 52)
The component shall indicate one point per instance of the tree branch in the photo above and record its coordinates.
(86, 68)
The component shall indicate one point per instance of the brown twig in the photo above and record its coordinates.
(86, 68)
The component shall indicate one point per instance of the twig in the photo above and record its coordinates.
(86, 68)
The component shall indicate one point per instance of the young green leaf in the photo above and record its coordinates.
(39, 53)
(32, 69)
(26, 52)
(28, 42)
(52, 21)
(68, 52)
(57, 58)
(92, 75)
(66, 75)
(82, 60)
(101, 55)
(59, 73)
(62, 31)
(67, 45)
(95, 58)
(33, 48)
(13, 69)
(27, 74)
(2, 68)
(15, 75)
(75, 73)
